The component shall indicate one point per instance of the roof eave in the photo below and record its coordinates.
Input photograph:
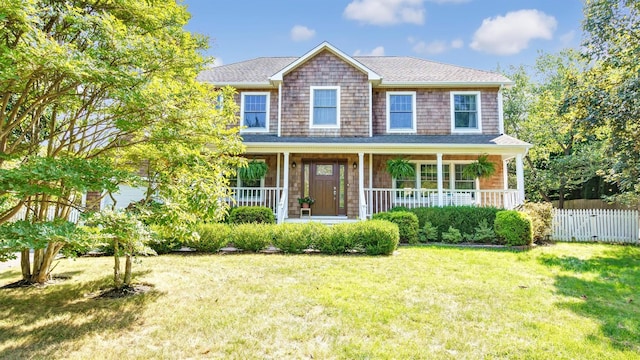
(443, 84)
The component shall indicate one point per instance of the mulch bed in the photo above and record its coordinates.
(125, 291)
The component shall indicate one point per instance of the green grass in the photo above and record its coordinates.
(568, 301)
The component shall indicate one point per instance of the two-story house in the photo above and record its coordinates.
(326, 124)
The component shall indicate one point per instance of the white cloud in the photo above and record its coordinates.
(386, 12)
(567, 38)
(435, 47)
(510, 34)
(378, 51)
(302, 33)
(457, 44)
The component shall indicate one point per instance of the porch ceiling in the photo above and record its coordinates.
(388, 144)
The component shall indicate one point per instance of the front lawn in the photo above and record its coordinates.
(568, 301)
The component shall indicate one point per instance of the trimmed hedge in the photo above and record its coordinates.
(541, 215)
(407, 222)
(251, 214)
(213, 237)
(513, 228)
(373, 237)
(464, 218)
(252, 237)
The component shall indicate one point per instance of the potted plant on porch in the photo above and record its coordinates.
(306, 201)
(481, 168)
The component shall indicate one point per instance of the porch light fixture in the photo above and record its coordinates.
(355, 165)
(293, 164)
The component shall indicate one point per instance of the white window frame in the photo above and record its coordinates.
(413, 109)
(246, 129)
(450, 165)
(311, 91)
(478, 95)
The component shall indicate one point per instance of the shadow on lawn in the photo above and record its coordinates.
(36, 321)
(611, 296)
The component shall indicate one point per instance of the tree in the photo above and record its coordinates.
(611, 93)
(564, 155)
(83, 80)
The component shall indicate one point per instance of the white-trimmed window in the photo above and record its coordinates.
(248, 189)
(324, 107)
(401, 111)
(426, 177)
(465, 112)
(254, 111)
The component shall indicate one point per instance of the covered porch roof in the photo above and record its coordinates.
(385, 144)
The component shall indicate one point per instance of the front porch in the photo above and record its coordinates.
(375, 200)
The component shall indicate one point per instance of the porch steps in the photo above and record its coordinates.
(327, 220)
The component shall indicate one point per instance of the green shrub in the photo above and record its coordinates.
(252, 237)
(162, 241)
(213, 237)
(407, 222)
(338, 241)
(292, 238)
(251, 214)
(428, 232)
(541, 215)
(513, 228)
(399, 208)
(377, 237)
(463, 218)
(452, 236)
(484, 233)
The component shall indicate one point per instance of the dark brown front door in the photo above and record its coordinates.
(327, 187)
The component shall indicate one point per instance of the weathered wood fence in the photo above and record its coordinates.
(602, 225)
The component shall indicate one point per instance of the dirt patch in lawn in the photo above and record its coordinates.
(125, 291)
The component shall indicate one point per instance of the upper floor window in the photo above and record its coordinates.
(325, 107)
(401, 111)
(465, 111)
(255, 111)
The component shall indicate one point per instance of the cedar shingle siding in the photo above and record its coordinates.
(325, 69)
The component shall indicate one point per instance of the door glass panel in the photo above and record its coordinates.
(326, 170)
(341, 192)
(306, 180)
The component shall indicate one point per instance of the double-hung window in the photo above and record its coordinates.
(325, 107)
(465, 112)
(401, 112)
(255, 111)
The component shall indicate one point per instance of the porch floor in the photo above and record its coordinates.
(328, 220)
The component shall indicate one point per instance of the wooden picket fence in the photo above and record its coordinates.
(596, 225)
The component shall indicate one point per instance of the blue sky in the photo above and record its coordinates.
(475, 33)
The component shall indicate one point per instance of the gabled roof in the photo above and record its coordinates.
(392, 71)
(325, 46)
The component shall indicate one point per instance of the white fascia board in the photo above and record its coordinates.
(438, 84)
(373, 76)
(338, 148)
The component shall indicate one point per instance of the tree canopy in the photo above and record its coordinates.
(84, 82)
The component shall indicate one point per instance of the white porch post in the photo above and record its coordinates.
(440, 190)
(277, 179)
(520, 178)
(370, 184)
(285, 188)
(361, 185)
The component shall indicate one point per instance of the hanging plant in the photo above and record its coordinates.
(400, 168)
(255, 170)
(482, 168)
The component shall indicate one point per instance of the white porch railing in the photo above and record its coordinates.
(380, 200)
(248, 196)
(74, 214)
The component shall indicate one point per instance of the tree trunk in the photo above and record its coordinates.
(49, 255)
(127, 270)
(25, 263)
(116, 268)
(38, 255)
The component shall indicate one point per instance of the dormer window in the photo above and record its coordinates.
(255, 111)
(324, 109)
(401, 112)
(465, 112)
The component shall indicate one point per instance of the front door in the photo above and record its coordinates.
(325, 182)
